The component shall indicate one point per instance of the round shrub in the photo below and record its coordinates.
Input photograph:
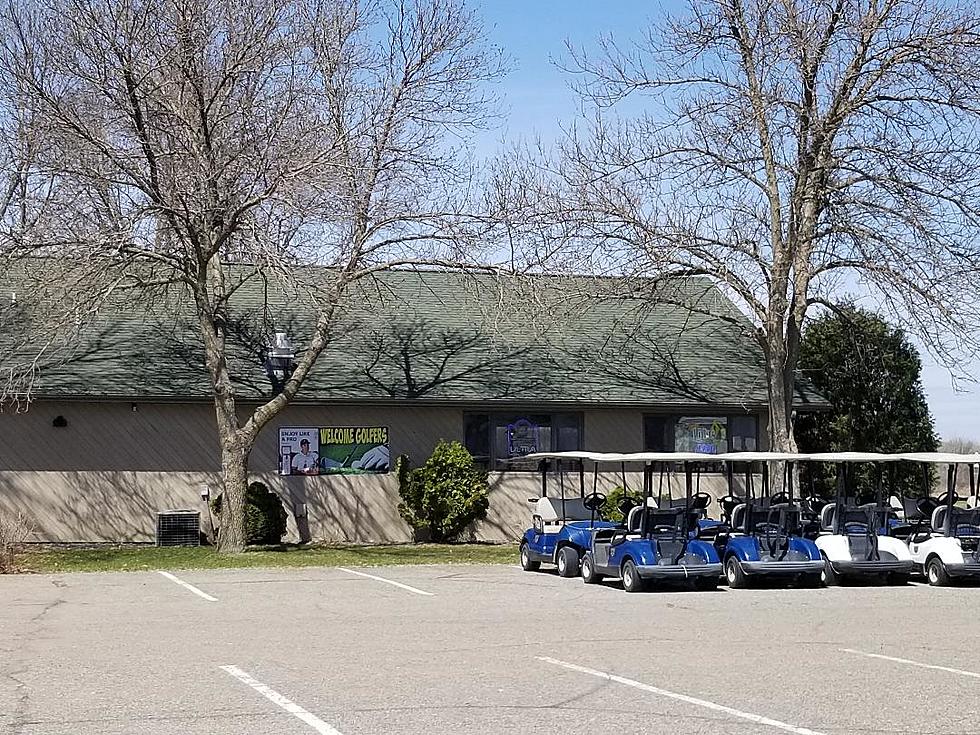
(265, 516)
(445, 495)
(611, 508)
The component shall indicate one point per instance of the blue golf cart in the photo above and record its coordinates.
(698, 501)
(656, 544)
(764, 538)
(562, 527)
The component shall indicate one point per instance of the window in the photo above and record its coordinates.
(495, 438)
(702, 434)
(743, 435)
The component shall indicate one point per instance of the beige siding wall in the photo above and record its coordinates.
(104, 476)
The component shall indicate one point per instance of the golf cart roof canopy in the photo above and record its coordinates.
(853, 457)
(941, 457)
(761, 457)
(638, 457)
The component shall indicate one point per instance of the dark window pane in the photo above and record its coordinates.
(743, 433)
(658, 433)
(476, 433)
(567, 432)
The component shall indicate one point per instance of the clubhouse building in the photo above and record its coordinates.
(121, 423)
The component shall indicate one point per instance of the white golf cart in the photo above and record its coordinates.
(946, 545)
(853, 538)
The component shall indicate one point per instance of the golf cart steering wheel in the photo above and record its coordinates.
(926, 506)
(767, 527)
(700, 500)
(728, 502)
(814, 504)
(779, 499)
(944, 498)
(627, 504)
(594, 501)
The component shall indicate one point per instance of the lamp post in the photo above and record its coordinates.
(279, 360)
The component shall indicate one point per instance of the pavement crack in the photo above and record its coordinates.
(22, 697)
(48, 608)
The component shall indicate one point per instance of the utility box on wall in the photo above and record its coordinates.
(179, 528)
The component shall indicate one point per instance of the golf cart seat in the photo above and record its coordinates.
(738, 517)
(827, 514)
(550, 510)
(853, 515)
(634, 520)
(662, 518)
(747, 517)
(961, 521)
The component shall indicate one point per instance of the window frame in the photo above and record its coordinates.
(557, 419)
(671, 419)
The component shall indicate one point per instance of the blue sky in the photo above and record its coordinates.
(537, 99)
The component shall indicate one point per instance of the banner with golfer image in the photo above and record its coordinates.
(299, 451)
(334, 450)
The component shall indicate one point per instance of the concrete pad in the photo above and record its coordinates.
(134, 652)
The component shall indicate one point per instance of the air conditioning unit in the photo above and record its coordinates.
(178, 528)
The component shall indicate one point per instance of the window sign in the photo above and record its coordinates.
(704, 435)
(522, 438)
(335, 450)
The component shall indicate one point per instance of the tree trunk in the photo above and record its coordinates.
(780, 374)
(234, 483)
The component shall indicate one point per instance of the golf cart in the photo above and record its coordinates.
(695, 499)
(947, 545)
(562, 527)
(853, 538)
(656, 544)
(764, 538)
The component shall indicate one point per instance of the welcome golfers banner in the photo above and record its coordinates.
(334, 450)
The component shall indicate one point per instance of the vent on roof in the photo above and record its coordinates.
(178, 528)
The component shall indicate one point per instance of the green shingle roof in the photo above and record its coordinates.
(429, 336)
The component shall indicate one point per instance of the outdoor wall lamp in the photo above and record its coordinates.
(279, 359)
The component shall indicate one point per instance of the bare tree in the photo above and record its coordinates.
(959, 445)
(792, 151)
(193, 145)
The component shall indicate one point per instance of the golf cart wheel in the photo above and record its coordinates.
(631, 577)
(526, 563)
(567, 562)
(829, 577)
(936, 572)
(589, 574)
(735, 574)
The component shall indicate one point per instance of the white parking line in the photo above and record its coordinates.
(273, 696)
(416, 590)
(190, 587)
(758, 719)
(910, 662)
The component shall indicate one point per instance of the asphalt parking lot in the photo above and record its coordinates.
(476, 649)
